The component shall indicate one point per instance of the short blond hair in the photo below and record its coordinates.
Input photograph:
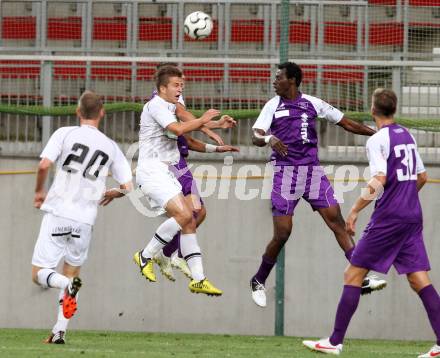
(90, 105)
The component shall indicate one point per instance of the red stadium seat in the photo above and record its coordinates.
(110, 28)
(386, 34)
(204, 71)
(155, 28)
(424, 2)
(65, 28)
(19, 27)
(69, 69)
(19, 69)
(299, 32)
(247, 30)
(341, 33)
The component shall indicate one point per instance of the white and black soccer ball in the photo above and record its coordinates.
(198, 25)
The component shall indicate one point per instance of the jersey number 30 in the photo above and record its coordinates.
(408, 151)
(92, 169)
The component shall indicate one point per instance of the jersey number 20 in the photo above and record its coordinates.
(79, 158)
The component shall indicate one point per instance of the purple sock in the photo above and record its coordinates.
(172, 246)
(263, 272)
(431, 301)
(348, 253)
(346, 309)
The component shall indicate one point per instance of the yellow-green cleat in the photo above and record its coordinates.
(204, 286)
(146, 266)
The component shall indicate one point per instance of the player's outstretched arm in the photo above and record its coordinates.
(199, 146)
(224, 122)
(370, 193)
(115, 193)
(42, 171)
(180, 128)
(355, 127)
(260, 139)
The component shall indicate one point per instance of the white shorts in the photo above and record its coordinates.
(158, 183)
(61, 238)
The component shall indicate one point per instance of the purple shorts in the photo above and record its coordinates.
(386, 244)
(291, 183)
(185, 178)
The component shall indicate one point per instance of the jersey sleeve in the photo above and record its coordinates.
(264, 120)
(328, 112)
(54, 146)
(420, 167)
(378, 151)
(120, 168)
(161, 114)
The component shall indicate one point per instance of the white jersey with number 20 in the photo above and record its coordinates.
(83, 156)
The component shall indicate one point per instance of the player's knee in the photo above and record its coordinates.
(417, 283)
(283, 234)
(185, 218)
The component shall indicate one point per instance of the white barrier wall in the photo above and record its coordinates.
(116, 297)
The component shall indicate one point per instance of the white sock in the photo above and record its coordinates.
(191, 253)
(62, 322)
(50, 278)
(164, 234)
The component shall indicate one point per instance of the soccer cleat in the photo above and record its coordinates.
(204, 286)
(433, 352)
(324, 346)
(258, 292)
(69, 300)
(146, 266)
(372, 283)
(56, 338)
(164, 264)
(180, 264)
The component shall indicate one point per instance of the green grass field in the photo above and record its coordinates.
(28, 343)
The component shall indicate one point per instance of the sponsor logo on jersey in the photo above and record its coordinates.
(304, 126)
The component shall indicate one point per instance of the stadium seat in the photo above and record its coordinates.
(299, 32)
(19, 27)
(247, 30)
(110, 28)
(19, 69)
(155, 28)
(386, 34)
(64, 28)
(340, 33)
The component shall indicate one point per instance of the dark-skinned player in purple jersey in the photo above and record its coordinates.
(287, 123)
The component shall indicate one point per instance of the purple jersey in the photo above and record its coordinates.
(393, 152)
(182, 143)
(293, 121)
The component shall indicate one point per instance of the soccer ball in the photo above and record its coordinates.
(198, 25)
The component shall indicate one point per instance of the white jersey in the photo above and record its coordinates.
(154, 142)
(84, 156)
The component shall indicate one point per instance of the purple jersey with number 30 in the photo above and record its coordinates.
(393, 152)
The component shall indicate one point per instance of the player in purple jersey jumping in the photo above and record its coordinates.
(287, 123)
(170, 256)
(392, 237)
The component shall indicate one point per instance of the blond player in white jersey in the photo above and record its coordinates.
(157, 152)
(83, 156)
